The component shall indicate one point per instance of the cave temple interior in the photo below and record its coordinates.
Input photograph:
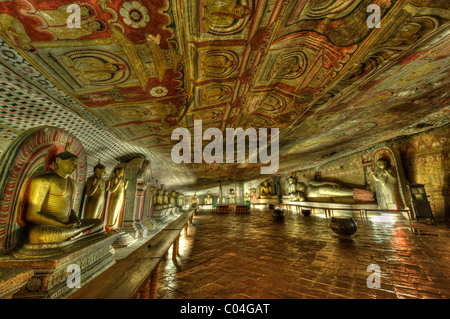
(117, 149)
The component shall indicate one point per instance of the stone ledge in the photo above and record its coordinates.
(124, 279)
(93, 255)
(12, 280)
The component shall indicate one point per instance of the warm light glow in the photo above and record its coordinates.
(392, 206)
(385, 218)
(321, 214)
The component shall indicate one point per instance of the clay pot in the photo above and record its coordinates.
(343, 226)
(306, 211)
(278, 214)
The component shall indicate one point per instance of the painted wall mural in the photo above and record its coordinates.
(427, 161)
(137, 69)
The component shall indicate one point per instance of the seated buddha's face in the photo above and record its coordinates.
(381, 163)
(67, 166)
(100, 172)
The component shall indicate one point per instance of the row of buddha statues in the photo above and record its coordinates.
(312, 190)
(384, 175)
(208, 200)
(49, 204)
(97, 190)
(52, 219)
(230, 199)
(163, 200)
(49, 211)
(299, 191)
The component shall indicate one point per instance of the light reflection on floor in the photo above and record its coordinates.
(254, 256)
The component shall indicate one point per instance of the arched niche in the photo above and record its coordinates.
(34, 151)
(394, 161)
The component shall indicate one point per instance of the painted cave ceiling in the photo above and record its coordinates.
(136, 70)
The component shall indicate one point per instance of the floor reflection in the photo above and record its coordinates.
(255, 256)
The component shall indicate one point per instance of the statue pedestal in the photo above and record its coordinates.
(124, 239)
(286, 198)
(135, 228)
(50, 262)
(274, 201)
(12, 280)
(161, 212)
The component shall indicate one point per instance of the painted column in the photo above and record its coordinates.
(131, 215)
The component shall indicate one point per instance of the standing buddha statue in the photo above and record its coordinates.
(117, 187)
(96, 189)
(208, 199)
(172, 199)
(387, 179)
(166, 199)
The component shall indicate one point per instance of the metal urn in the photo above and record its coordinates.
(343, 226)
(278, 213)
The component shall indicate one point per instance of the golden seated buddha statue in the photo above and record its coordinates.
(208, 199)
(49, 208)
(266, 191)
(158, 200)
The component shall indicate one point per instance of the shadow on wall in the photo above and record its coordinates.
(446, 188)
(426, 159)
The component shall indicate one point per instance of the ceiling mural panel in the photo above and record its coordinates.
(23, 106)
(137, 69)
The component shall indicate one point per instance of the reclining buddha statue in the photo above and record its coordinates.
(321, 189)
(49, 207)
(386, 177)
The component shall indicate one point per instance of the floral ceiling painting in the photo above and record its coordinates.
(133, 71)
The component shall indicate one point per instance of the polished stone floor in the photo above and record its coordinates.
(254, 256)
